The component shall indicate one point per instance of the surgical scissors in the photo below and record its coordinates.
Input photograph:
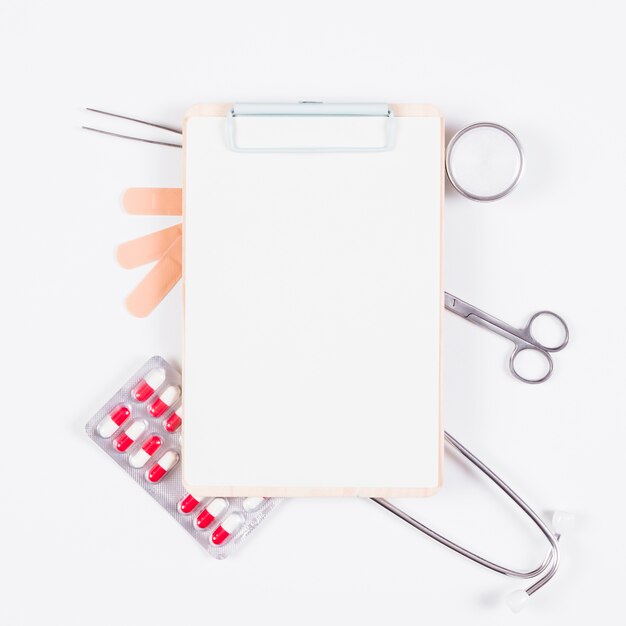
(522, 338)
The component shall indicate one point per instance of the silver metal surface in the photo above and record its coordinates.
(549, 563)
(450, 157)
(170, 129)
(522, 338)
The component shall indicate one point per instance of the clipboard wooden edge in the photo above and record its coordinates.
(399, 110)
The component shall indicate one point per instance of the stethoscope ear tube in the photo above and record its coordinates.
(550, 562)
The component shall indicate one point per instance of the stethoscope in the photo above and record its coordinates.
(484, 162)
(550, 564)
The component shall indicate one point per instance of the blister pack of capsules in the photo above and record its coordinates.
(139, 428)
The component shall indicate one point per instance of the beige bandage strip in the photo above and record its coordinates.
(153, 201)
(149, 248)
(158, 282)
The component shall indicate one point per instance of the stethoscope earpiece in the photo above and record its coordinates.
(561, 521)
(516, 600)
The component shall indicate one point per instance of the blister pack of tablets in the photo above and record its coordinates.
(139, 428)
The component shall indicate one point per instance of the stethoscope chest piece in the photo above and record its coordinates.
(484, 161)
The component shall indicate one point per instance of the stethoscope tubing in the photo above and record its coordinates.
(550, 561)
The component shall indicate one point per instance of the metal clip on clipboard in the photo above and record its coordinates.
(309, 109)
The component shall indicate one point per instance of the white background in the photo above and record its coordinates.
(80, 541)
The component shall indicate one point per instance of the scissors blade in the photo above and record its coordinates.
(458, 306)
(473, 314)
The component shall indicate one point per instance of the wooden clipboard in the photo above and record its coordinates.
(294, 386)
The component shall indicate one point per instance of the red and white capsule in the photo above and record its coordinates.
(113, 421)
(229, 526)
(149, 448)
(212, 510)
(188, 504)
(164, 401)
(252, 504)
(174, 421)
(149, 384)
(129, 436)
(163, 466)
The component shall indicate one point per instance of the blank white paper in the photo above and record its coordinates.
(312, 306)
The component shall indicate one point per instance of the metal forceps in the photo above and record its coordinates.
(522, 338)
(169, 129)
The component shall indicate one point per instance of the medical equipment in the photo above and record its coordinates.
(139, 428)
(170, 129)
(522, 338)
(484, 161)
(475, 147)
(516, 599)
(158, 246)
(163, 245)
